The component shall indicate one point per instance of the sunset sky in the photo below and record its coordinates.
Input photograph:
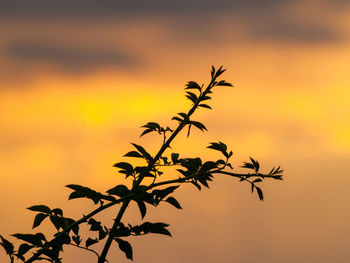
(79, 78)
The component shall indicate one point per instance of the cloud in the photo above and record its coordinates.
(293, 30)
(65, 29)
(68, 58)
(93, 8)
(115, 8)
(259, 20)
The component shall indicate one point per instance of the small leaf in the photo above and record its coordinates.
(7, 245)
(183, 115)
(101, 234)
(40, 208)
(205, 106)
(75, 228)
(205, 98)
(165, 160)
(174, 202)
(120, 231)
(174, 157)
(192, 97)
(260, 193)
(198, 125)
(209, 165)
(90, 241)
(221, 162)
(124, 166)
(162, 193)
(77, 240)
(276, 171)
(185, 173)
(95, 225)
(212, 71)
(58, 222)
(203, 182)
(193, 85)
(125, 247)
(220, 146)
(146, 131)
(144, 153)
(32, 239)
(255, 164)
(157, 228)
(24, 248)
(120, 190)
(189, 129)
(57, 211)
(219, 72)
(196, 185)
(84, 192)
(38, 219)
(142, 208)
(177, 119)
(224, 83)
(133, 154)
(152, 125)
(248, 165)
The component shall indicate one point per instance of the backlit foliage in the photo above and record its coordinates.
(195, 171)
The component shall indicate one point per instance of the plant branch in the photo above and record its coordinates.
(239, 175)
(164, 146)
(196, 173)
(78, 222)
(88, 249)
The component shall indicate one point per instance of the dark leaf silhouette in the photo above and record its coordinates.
(24, 248)
(133, 154)
(40, 208)
(171, 200)
(119, 190)
(35, 239)
(205, 106)
(90, 241)
(7, 245)
(125, 247)
(142, 208)
(193, 85)
(38, 219)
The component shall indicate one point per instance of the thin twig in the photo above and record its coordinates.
(88, 249)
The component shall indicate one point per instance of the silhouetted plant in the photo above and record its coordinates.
(191, 170)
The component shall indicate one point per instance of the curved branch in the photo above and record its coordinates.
(88, 249)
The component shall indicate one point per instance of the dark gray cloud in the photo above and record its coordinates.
(260, 19)
(186, 22)
(92, 8)
(113, 8)
(67, 57)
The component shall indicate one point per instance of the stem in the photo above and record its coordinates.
(278, 177)
(109, 241)
(85, 248)
(179, 180)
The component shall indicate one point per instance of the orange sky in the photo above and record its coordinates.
(76, 87)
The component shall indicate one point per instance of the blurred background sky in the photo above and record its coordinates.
(78, 79)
